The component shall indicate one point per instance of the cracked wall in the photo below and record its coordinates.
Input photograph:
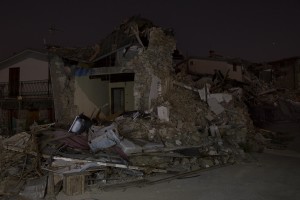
(154, 62)
(63, 87)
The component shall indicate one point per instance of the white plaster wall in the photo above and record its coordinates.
(155, 89)
(30, 69)
(208, 67)
(90, 94)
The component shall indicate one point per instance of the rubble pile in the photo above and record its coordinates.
(183, 132)
(268, 103)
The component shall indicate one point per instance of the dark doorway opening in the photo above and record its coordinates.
(14, 81)
(117, 100)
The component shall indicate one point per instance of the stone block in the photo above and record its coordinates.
(215, 106)
(129, 147)
(163, 113)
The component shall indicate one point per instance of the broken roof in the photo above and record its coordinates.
(123, 36)
(295, 58)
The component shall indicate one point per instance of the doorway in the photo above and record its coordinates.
(14, 81)
(117, 100)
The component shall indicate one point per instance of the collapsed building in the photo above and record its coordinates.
(275, 91)
(134, 117)
(124, 72)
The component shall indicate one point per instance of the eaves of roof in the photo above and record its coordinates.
(28, 53)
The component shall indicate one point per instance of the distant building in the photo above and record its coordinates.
(286, 73)
(25, 91)
(209, 65)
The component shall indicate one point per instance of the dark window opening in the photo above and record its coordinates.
(234, 67)
(144, 40)
(14, 81)
(108, 61)
(191, 62)
(124, 77)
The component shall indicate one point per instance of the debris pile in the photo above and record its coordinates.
(183, 124)
(187, 129)
(268, 103)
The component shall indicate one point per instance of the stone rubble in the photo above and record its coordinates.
(190, 137)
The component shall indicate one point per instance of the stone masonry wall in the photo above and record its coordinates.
(155, 60)
(63, 91)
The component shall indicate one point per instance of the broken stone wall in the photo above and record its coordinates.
(63, 86)
(156, 61)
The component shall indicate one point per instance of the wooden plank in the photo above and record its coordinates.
(74, 183)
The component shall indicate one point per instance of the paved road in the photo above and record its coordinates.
(271, 177)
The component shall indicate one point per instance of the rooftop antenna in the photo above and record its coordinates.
(52, 29)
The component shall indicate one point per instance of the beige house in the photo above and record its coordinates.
(25, 90)
(208, 66)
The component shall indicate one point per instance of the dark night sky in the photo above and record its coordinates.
(257, 30)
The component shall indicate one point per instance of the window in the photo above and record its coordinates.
(14, 81)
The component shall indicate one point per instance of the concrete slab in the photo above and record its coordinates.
(215, 106)
(163, 113)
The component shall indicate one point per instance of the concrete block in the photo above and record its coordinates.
(163, 113)
(152, 145)
(205, 163)
(204, 92)
(209, 117)
(101, 138)
(35, 188)
(129, 147)
(215, 106)
(221, 97)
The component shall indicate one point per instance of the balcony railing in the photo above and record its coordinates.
(39, 88)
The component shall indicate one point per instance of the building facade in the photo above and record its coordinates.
(25, 91)
(208, 66)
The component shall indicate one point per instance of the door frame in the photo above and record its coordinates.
(112, 98)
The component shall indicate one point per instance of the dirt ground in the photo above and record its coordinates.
(272, 175)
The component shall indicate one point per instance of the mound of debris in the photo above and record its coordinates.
(187, 130)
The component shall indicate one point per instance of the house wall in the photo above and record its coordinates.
(155, 60)
(63, 88)
(128, 89)
(287, 79)
(288, 74)
(18, 115)
(90, 94)
(199, 66)
(30, 69)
